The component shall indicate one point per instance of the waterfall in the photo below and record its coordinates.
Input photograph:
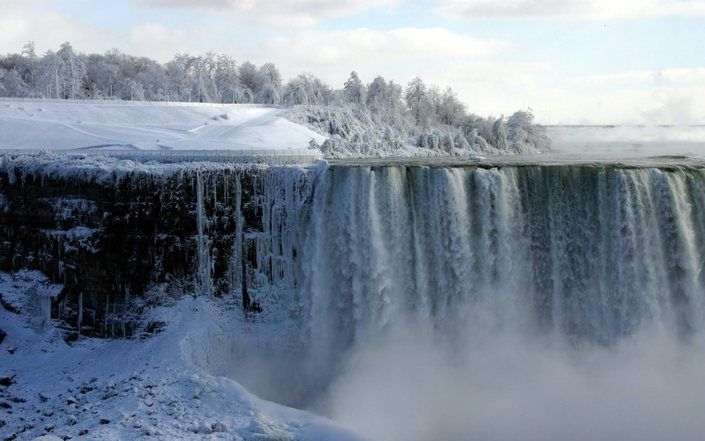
(585, 253)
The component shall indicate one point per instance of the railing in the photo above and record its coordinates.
(246, 156)
(127, 102)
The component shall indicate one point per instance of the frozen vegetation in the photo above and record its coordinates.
(381, 118)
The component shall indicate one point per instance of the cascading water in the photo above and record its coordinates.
(433, 265)
(587, 252)
(409, 302)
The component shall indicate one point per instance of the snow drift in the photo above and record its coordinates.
(45, 124)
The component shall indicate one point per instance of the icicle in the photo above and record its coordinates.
(80, 312)
(237, 256)
(125, 310)
(203, 272)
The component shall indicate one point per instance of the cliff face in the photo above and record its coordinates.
(593, 252)
(116, 236)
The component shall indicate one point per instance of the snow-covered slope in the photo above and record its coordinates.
(158, 388)
(40, 124)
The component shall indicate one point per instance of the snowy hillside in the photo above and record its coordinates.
(159, 388)
(41, 124)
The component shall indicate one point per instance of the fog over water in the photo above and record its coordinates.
(628, 141)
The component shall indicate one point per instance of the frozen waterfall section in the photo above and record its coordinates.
(349, 252)
(120, 234)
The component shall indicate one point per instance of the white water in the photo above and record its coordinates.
(519, 303)
(452, 302)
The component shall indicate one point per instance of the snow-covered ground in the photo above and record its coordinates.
(41, 124)
(156, 388)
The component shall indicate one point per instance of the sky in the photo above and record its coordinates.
(571, 61)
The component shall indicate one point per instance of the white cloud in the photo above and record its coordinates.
(571, 9)
(657, 77)
(405, 46)
(22, 21)
(157, 41)
(467, 64)
(676, 106)
(595, 105)
(276, 12)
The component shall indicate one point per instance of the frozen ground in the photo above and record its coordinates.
(155, 388)
(38, 124)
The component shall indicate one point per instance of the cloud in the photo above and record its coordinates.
(157, 41)
(571, 9)
(22, 21)
(658, 77)
(288, 13)
(396, 45)
(676, 106)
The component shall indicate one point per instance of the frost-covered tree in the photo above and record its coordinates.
(377, 94)
(306, 89)
(358, 118)
(12, 84)
(154, 81)
(450, 110)
(270, 85)
(201, 71)
(354, 90)
(71, 72)
(524, 134)
(133, 90)
(50, 82)
(419, 102)
(179, 82)
(270, 75)
(268, 95)
(499, 130)
(250, 78)
(226, 80)
(27, 67)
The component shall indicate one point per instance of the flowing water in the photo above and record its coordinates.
(540, 298)
(516, 302)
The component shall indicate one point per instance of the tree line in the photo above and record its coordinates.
(425, 114)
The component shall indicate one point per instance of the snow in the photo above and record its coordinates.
(95, 125)
(155, 388)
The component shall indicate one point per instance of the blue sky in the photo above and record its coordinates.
(589, 61)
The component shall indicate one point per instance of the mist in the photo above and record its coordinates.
(507, 387)
(628, 141)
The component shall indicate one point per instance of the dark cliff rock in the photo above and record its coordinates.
(110, 237)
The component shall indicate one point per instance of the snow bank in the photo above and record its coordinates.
(135, 389)
(95, 125)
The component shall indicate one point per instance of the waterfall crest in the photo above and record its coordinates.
(592, 253)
